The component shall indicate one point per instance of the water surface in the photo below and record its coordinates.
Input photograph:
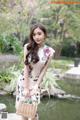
(50, 109)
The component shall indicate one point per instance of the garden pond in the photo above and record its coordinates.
(50, 108)
(53, 108)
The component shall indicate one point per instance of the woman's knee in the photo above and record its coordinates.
(36, 117)
(24, 118)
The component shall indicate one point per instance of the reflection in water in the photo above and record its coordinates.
(51, 109)
(60, 110)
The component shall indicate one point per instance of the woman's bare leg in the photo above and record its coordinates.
(36, 117)
(24, 118)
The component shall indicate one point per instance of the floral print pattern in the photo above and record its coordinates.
(44, 52)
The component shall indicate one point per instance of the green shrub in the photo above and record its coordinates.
(5, 76)
(8, 74)
(10, 44)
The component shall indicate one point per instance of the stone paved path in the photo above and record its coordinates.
(12, 116)
(8, 57)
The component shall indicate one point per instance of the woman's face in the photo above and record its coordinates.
(38, 36)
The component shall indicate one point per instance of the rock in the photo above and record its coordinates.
(7, 88)
(44, 92)
(10, 88)
(67, 96)
(56, 72)
(3, 92)
(14, 93)
(53, 91)
(3, 107)
(73, 73)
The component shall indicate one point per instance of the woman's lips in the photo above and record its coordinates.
(38, 41)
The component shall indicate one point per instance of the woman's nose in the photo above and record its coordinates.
(36, 36)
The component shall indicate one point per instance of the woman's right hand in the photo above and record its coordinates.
(26, 92)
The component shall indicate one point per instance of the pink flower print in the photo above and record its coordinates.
(46, 52)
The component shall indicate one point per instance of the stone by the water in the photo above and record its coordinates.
(3, 107)
(73, 73)
(67, 96)
(3, 92)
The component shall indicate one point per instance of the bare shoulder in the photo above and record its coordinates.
(25, 48)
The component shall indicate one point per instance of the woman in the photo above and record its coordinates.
(37, 57)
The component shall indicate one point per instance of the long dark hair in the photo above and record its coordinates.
(32, 47)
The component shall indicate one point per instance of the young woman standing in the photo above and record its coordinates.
(37, 56)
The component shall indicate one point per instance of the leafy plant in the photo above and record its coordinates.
(13, 82)
(49, 81)
(10, 76)
(5, 76)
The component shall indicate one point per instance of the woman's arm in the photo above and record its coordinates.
(44, 71)
(41, 75)
(26, 79)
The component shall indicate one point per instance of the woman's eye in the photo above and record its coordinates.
(33, 34)
(39, 33)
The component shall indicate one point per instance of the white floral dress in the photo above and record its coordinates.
(43, 54)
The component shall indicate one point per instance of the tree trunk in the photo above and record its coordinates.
(57, 52)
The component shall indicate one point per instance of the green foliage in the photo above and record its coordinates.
(13, 18)
(2, 43)
(49, 78)
(5, 76)
(10, 44)
(49, 81)
(13, 82)
(62, 22)
(21, 61)
(9, 76)
(62, 63)
(69, 49)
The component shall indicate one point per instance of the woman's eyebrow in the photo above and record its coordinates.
(36, 33)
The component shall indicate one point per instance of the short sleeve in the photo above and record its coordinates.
(48, 51)
(52, 51)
